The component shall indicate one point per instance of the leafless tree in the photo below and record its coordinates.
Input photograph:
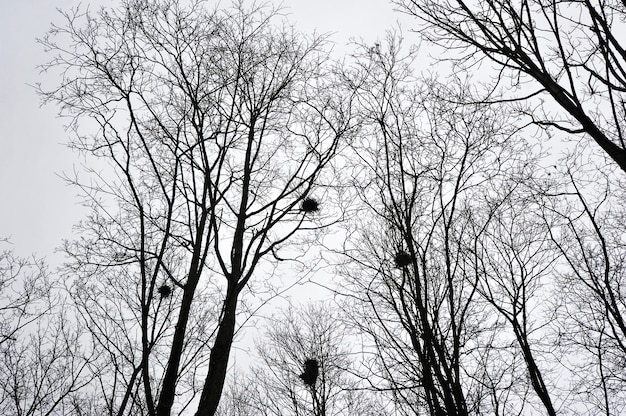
(572, 51)
(573, 54)
(212, 130)
(42, 366)
(587, 227)
(515, 265)
(426, 167)
(276, 384)
(24, 292)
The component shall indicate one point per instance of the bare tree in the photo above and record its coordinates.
(515, 261)
(572, 51)
(24, 293)
(216, 128)
(587, 228)
(426, 165)
(42, 368)
(296, 339)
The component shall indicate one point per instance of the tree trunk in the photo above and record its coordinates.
(218, 362)
(168, 391)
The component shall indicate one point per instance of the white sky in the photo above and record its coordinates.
(37, 209)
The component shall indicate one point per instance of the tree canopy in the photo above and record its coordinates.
(398, 241)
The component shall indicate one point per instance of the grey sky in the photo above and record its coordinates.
(38, 209)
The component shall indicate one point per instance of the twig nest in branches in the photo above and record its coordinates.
(165, 291)
(402, 259)
(311, 371)
(310, 205)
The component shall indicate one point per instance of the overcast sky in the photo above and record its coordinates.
(37, 209)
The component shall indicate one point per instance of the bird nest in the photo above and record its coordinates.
(310, 205)
(165, 291)
(402, 259)
(311, 371)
